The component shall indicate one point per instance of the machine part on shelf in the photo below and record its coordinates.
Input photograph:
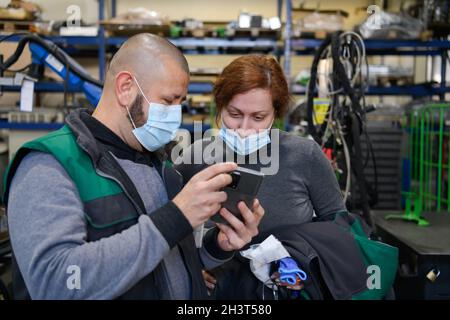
(381, 25)
(385, 75)
(316, 23)
(20, 10)
(143, 15)
(40, 115)
(254, 26)
(434, 14)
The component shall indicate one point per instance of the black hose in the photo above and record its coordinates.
(359, 170)
(339, 71)
(51, 48)
(312, 88)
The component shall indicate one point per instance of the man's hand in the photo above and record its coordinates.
(210, 281)
(201, 197)
(239, 233)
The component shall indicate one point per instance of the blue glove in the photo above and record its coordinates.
(289, 271)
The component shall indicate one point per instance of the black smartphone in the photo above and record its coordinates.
(243, 187)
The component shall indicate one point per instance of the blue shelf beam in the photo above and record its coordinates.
(65, 41)
(382, 47)
(288, 40)
(194, 87)
(418, 90)
(372, 44)
(300, 46)
(56, 126)
(113, 8)
(200, 87)
(56, 87)
(29, 126)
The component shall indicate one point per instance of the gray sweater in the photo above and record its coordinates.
(48, 234)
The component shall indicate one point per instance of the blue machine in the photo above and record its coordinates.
(46, 53)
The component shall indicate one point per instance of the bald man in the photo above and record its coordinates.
(94, 211)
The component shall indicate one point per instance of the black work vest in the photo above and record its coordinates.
(111, 205)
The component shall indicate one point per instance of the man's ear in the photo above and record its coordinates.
(125, 91)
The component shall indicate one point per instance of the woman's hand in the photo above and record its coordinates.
(239, 233)
(210, 281)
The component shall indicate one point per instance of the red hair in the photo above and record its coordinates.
(249, 72)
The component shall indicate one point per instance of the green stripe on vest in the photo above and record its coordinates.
(78, 165)
(63, 146)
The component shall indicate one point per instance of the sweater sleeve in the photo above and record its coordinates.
(323, 187)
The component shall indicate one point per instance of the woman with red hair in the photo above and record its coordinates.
(250, 94)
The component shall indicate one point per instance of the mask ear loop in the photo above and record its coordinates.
(271, 124)
(140, 89)
(131, 119)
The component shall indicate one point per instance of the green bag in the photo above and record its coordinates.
(383, 258)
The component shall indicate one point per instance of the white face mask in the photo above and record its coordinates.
(247, 145)
(162, 124)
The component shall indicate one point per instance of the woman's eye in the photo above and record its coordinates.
(259, 118)
(234, 115)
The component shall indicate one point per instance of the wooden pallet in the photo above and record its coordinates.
(253, 33)
(385, 81)
(319, 34)
(198, 33)
(10, 26)
(439, 30)
(15, 25)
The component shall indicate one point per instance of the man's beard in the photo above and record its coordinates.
(137, 112)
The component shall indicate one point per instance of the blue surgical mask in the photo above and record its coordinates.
(162, 124)
(247, 145)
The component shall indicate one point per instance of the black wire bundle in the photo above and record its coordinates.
(349, 111)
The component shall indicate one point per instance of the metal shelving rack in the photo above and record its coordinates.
(377, 47)
(289, 47)
(77, 44)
